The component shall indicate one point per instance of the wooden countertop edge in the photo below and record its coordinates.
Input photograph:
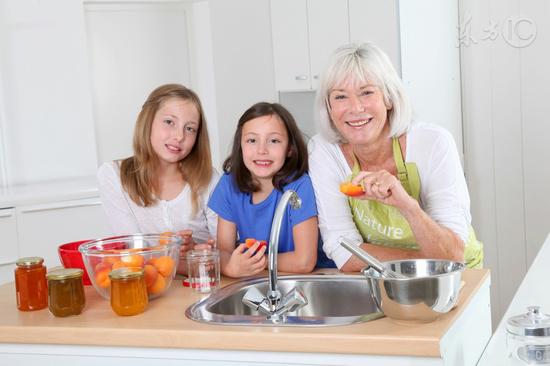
(230, 340)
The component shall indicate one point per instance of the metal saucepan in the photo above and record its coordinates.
(430, 289)
(368, 259)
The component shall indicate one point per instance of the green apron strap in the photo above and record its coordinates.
(406, 172)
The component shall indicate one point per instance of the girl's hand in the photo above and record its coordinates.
(245, 262)
(188, 243)
(383, 187)
(209, 244)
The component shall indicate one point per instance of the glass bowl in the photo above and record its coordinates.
(157, 254)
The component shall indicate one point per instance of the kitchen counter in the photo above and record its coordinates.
(532, 291)
(164, 326)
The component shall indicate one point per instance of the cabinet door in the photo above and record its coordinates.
(328, 30)
(9, 247)
(42, 228)
(376, 21)
(290, 44)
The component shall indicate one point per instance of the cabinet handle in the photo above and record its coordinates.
(54, 206)
(6, 212)
(300, 77)
(316, 77)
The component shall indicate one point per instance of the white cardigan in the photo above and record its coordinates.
(443, 191)
(126, 217)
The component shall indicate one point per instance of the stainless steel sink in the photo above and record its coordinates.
(332, 300)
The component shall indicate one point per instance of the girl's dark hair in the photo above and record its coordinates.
(296, 162)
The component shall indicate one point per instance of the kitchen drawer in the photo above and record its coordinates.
(8, 236)
(42, 228)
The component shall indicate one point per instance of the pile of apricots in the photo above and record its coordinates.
(157, 269)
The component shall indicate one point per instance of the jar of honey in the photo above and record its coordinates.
(128, 291)
(66, 291)
(30, 284)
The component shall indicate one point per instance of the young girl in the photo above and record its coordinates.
(269, 156)
(165, 185)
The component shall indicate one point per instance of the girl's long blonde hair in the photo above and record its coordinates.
(138, 172)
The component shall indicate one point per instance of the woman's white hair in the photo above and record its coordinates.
(362, 63)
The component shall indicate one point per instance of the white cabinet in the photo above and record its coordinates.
(43, 227)
(304, 34)
(8, 245)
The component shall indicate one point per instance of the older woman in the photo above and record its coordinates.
(413, 201)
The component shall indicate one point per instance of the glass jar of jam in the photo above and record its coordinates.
(128, 291)
(66, 291)
(30, 284)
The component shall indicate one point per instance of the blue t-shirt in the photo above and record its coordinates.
(254, 220)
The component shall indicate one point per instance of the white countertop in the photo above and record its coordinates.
(51, 191)
(532, 291)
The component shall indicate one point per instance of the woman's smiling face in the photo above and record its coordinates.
(358, 112)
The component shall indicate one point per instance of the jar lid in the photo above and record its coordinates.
(29, 261)
(64, 274)
(203, 253)
(533, 323)
(126, 273)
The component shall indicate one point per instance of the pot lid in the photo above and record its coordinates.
(533, 323)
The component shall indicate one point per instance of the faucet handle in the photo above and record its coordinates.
(254, 299)
(292, 301)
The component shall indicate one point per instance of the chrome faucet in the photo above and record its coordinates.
(272, 304)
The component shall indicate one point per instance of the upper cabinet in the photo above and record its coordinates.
(304, 33)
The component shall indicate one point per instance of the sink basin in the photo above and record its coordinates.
(332, 300)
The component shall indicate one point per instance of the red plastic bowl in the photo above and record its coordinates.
(72, 258)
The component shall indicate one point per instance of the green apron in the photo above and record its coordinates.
(384, 225)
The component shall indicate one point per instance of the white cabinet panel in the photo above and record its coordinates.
(376, 21)
(42, 228)
(134, 48)
(8, 235)
(305, 33)
(47, 115)
(328, 30)
(290, 44)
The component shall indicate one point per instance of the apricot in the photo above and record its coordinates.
(102, 278)
(134, 260)
(351, 189)
(119, 264)
(158, 286)
(111, 259)
(151, 274)
(101, 266)
(164, 265)
(165, 237)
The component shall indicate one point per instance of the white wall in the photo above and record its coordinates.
(506, 84)
(243, 61)
(133, 48)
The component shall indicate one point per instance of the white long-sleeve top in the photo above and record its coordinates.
(127, 217)
(443, 191)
